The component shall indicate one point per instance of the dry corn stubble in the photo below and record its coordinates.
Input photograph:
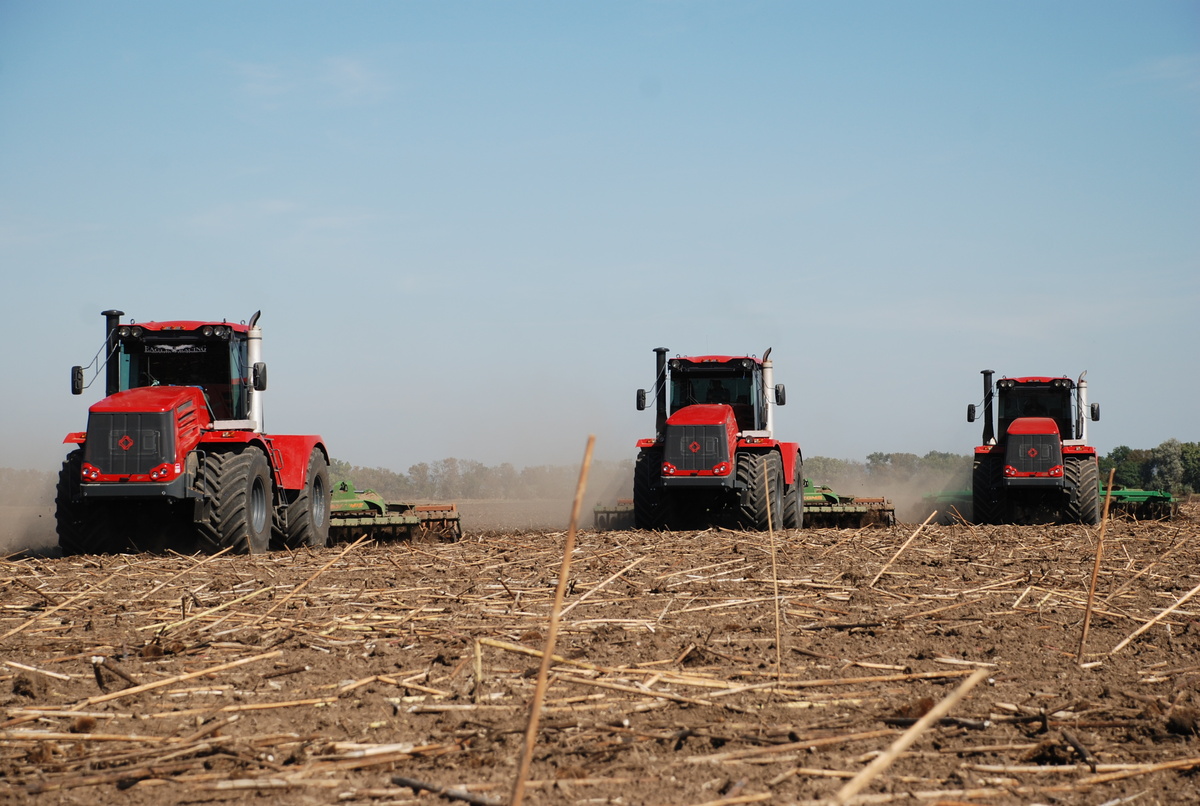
(347, 671)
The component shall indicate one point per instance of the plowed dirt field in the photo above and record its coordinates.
(693, 668)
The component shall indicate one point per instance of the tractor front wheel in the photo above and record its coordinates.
(238, 486)
(649, 499)
(1082, 477)
(760, 477)
(987, 505)
(83, 528)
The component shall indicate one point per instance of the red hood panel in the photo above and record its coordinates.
(702, 414)
(151, 398)
(1033, 425)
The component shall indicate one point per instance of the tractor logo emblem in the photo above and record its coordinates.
(176, 348)
(694, 447)
(126, 442)
(1032, 453)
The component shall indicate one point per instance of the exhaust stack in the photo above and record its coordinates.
(660, 392)
(254, 359)
(112, 367)
(1082, 407)
(989, 430)
(768, 391)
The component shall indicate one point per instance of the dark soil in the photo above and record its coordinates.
(316, 677)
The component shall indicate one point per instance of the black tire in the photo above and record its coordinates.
(238, 486)
(82, 528)
(987, 490)
(793, 505)
(308, 513)
(757, 475)
(649, 498)
(1082, 478)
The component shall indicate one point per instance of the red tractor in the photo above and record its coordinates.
(1040, 466)
(714, 458)
(176, 449)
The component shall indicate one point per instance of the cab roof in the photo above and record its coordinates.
(186, 324)
(1040, 379)
(716, 359)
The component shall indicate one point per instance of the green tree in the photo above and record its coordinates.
(1190, 456)
(1166, 466)
(1131, 466)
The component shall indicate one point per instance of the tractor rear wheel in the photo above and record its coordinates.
(793, 505)
(308, 513)
(238, 486)
(760, 477)
(649, 499)
(987, 502)
(1082, 477)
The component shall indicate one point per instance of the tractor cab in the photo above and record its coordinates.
(736, 382)
(1019, 398)
(217, 357)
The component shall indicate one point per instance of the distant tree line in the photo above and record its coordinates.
(883, 472)
(1173, 466)
(453, 479)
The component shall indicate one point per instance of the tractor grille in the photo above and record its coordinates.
(1034, 453)
(696, 447)
(126, 444)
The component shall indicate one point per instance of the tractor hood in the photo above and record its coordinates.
(703, 414)
(699, 442)
(148, 399)
(143, 435)
(1033, 425)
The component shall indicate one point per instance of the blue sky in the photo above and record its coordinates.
(468, 224)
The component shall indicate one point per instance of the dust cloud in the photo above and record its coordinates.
(906, 493)
(607, 483)
(26, 511)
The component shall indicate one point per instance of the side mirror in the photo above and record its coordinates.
(641, 400)
(970, 412)
(1095, 412)
(77, 380)
(780, 394)
(258, 377)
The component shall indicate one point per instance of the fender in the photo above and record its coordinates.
(293, 452)
(793, 462)
(789, 454)
(288, 455)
